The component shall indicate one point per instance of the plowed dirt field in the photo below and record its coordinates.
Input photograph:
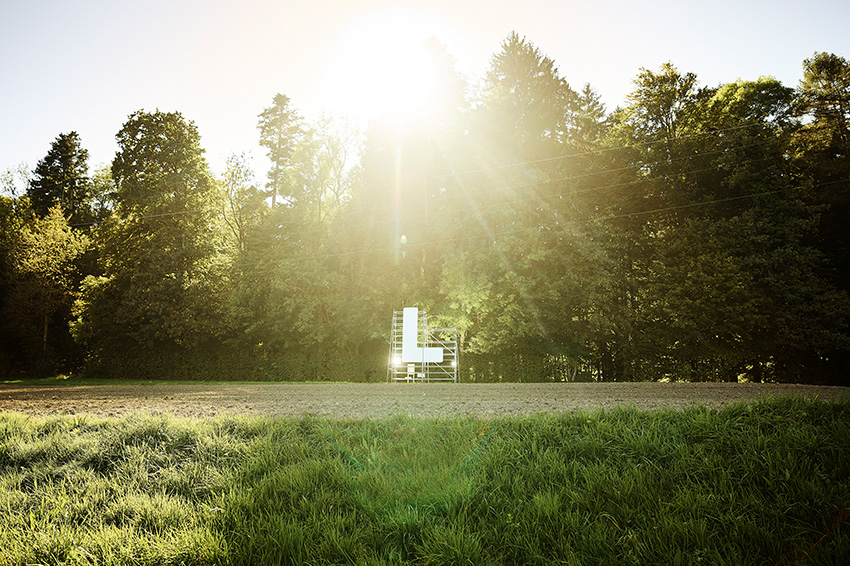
(379, 400)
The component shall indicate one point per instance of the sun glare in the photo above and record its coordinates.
(381, 68)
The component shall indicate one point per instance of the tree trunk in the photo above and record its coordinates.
(44, 336)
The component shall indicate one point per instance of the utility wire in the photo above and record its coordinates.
(540, 227)
(515, 201)
(537, 228)
(302, 234)
(467, 194)
(299, 237)
(568, 156)
(457, 174)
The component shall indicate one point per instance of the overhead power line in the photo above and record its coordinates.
(587, 153)
(526, 163)
(539, 227)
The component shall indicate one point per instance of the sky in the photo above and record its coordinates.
(86, 65)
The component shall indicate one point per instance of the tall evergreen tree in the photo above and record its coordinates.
(527, 105)
(61, 178)
(825, 96)
(522, 271)
(398, 220)
(590, 116)
(280, 130)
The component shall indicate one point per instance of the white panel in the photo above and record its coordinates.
(410, 351)
(409, 332)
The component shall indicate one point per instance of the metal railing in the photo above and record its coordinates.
(420, 371)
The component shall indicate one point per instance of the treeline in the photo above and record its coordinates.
(696, 233)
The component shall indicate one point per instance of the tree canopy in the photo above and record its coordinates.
(159, 250)
(694, 233)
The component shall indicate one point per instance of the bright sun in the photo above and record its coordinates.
(381, 67)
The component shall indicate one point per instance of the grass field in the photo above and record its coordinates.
(761, 483)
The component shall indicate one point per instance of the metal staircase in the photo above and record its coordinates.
(419, 369)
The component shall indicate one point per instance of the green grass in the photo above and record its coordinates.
(764, 483)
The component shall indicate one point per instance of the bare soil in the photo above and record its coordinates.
(343, 400)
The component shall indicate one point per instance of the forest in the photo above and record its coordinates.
(695, 233)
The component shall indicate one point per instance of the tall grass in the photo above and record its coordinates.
(764, 483)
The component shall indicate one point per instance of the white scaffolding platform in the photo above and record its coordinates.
(422, 368)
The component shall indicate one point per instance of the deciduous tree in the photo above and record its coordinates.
(822, 148)
(15, 180)
(244, 205)
(161, 248)
(44, 285)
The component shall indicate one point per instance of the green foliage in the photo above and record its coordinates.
(825, 93)
(521, 269)
(822, 156)
(712, 165)
(663, 104)
(761, 483)
(14, 214)
(101, 195)
(289, 301)
(42, 288)
(590, 117)
(243, 203)
(160, 250)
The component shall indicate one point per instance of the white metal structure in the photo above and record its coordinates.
(419, 353)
